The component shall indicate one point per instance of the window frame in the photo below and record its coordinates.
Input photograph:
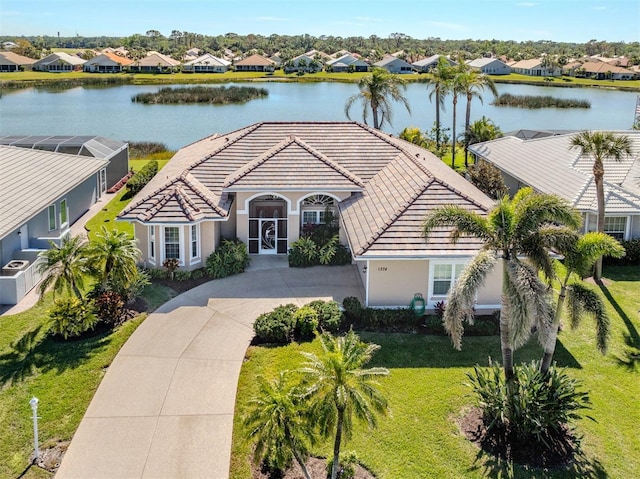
(614, 233)
(52, 215)
(457, 265)
(151, 255)
(64, 211)
(180, 243)
(194, 229)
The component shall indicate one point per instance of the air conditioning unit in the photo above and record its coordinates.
(14, 266)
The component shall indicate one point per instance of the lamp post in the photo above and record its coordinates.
(34, 407)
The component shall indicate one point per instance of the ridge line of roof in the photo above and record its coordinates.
(195, 184)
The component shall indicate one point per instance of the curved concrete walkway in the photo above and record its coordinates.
(165, 406)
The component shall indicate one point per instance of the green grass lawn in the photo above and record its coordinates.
(62, 375)
(426, 393)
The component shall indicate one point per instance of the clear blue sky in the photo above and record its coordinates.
(556, 20)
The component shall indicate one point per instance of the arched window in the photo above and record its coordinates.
(314, 209)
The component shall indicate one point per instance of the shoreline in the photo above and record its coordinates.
(11, 81)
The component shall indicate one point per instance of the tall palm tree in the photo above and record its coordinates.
(439, 84)
(340, 389)
(580, 252)
(113, 255)
(279, 424)
(456, 88)
(472, 82)
(517, 227)
(64, 267)
(601, 145)
(480, 130)
(375, 91)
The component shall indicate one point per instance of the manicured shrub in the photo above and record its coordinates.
(182, 275)
(109, 307)
(306, 322)
(230, 258)
(631, 257)
(352, 308)
(277, 326)
(70, 317)
(142, 177)
(535, 408)
(348, 463)
(329, 315)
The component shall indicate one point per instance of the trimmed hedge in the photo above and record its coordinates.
(276, 326)
(230, 258)
(142, 177)
(632, 256)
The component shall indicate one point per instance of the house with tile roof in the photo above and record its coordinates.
(107, 63)
(42, 193)
(255, 63)
(303, 63)
(490, 66)
(427, 64)
(155, 62)
(206, 63)
(394, 65)
(549, 165)
(534, 67)
(347, 63)
(59, 62)
(12, 62)
(599, 71)
(263, 183)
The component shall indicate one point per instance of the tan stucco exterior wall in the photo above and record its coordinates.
(394, 282)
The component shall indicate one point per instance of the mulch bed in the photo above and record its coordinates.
(561, 454)
(317, 468)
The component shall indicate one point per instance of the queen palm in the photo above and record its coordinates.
(513, 229)
(580, 252)
(64, 267)
(481, 130)
(279, 424)
(601, 145)
(456, 87)
(471, 83)
(376, 90)
(340, 389)
(114, 255)
(439, 84)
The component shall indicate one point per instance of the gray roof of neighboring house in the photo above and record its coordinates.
(393, 183)
(549, 165)
(209, 59)
(525, 134)
(85, 145)
(62, 56)
(33, 179)
(482, 62)
(347, 60)
(390, 59)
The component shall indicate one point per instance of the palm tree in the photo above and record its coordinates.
(456, 87)
(64, 267)
(480, 130)
(279, 424)
(472, 82)
(517, 227)
(113, 255)
(339, 388)
(601, 145)
(580, 252)
(375, 90)
(439, 84)
(414, 135)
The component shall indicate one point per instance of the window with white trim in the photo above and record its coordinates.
(152, 244)
(443, 276)
(314, 209)
(172, 242)
(195, 245)
(64, 213)
(52, 218)
(615, 226)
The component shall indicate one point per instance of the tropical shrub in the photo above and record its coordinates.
(632, 254)
(306, 322)
(303, 253)
(230, 258)
(533, 408)
(70, 317)
(488, 179)
(142, 177)
(171, 265)
(329, 314)
(277, 326)
(109, 307)
(347, 467)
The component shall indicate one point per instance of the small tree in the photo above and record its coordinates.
(64, 267)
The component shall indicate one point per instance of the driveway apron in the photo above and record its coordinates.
(165, 406)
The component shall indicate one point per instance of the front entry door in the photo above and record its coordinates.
(268, 236)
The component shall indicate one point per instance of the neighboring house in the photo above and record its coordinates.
(115, 152)
(490, 66)
(347, 63)
(12, 62)
(526, 134)
(9, 45)
(41, 195)
(303, 63)
(534, 68)
(394, 65)
(549, 165)
(255, 63)
(263, 183)
(107, 63)
(59, 62)
(427, 64)
(206, 63)
(154, 63)
(276, 60)
(120, 51)
(599, 71)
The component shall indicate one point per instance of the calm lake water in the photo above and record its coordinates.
(110, 112)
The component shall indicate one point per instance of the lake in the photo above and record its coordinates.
(109, 111)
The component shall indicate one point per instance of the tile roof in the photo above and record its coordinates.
(154, 59)
(33, 179)
(255, 60)
(15, 59)
(120, 60)
(393, 183)
(549, 165)
(209, 60)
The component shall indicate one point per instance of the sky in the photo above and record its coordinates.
(519, 20)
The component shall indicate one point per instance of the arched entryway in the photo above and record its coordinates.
(268, 225)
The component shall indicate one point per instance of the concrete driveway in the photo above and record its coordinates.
(165, 406)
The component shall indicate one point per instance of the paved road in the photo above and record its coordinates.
(165, 406)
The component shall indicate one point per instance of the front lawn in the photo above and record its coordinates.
(426, 393)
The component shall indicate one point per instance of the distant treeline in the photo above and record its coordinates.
(202, 94)
(528, 101)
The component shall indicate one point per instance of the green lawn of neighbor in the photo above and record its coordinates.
(427, 395)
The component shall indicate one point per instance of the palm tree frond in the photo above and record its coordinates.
(584, 300)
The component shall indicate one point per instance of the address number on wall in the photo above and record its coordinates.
(382, 268)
